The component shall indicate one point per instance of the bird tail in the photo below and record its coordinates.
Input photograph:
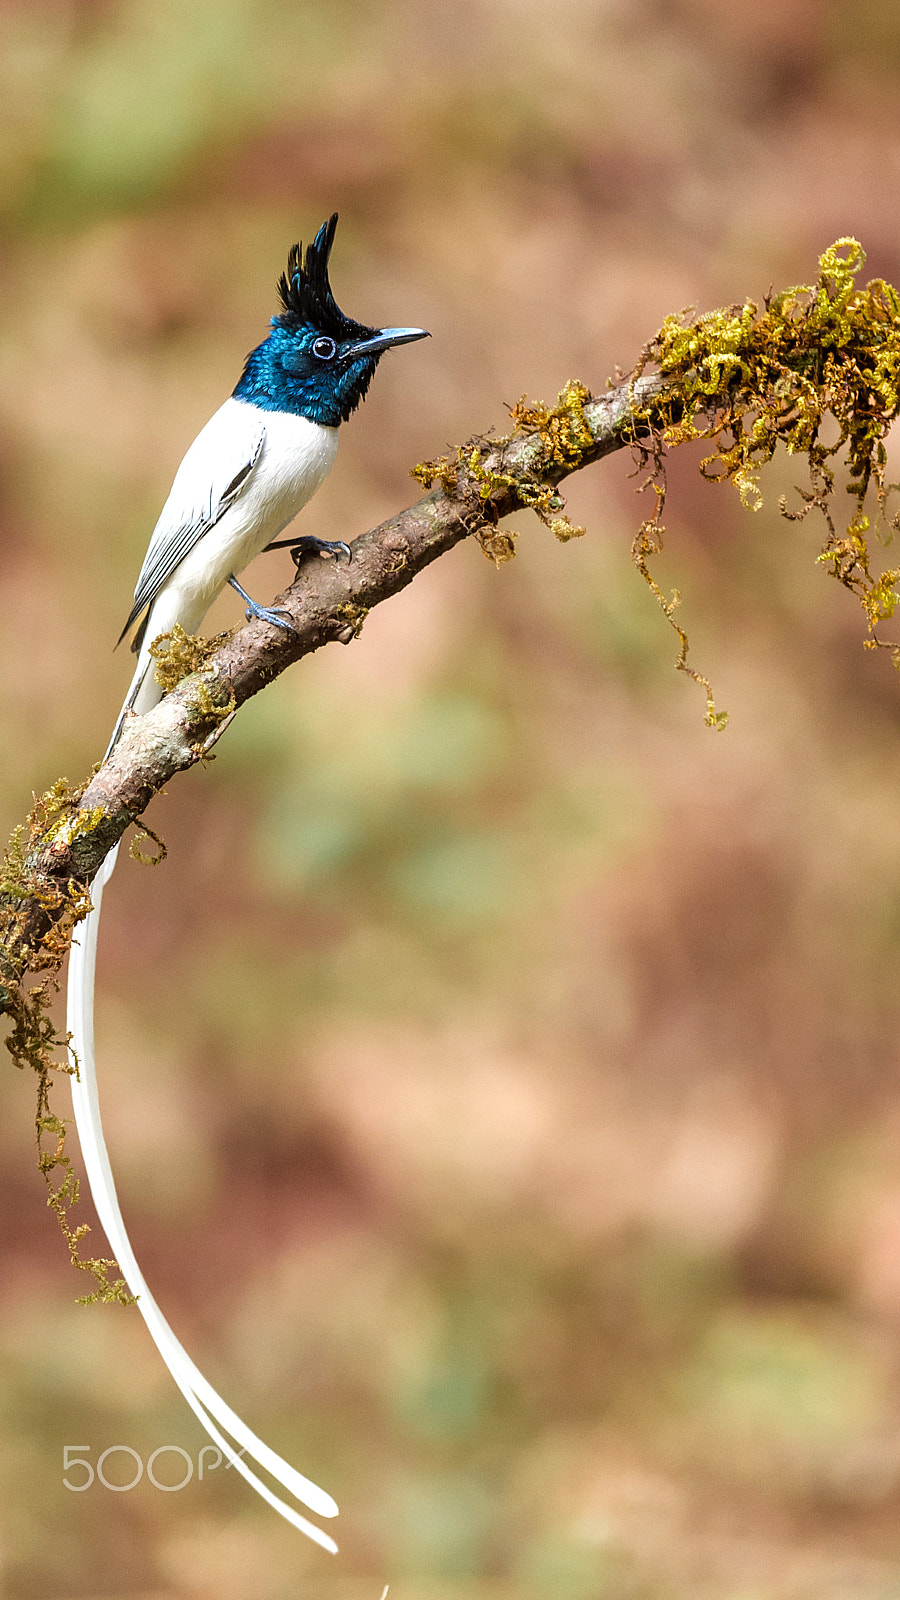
(211, 1410)
(143, 694)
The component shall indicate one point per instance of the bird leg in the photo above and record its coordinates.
(274, 615)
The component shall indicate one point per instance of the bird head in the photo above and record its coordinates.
(316, 362)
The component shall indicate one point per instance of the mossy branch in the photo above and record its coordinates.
(45, 885)
(744, 379)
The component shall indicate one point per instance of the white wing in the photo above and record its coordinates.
(212, 475)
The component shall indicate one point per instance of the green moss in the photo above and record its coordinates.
(177, 654)
(564, 428)
(146, 860)
(442, 471)
(565, 435)
(33, 1041)
(54, 816)
(748, 380)
(353, 616)
(648, 542)
(63, 1195)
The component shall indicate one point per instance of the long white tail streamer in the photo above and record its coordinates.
(206, 1404)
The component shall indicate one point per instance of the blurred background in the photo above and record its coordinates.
(501, 1074)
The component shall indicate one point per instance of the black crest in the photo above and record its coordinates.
(305, 291)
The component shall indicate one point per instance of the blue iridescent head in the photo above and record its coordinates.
(315, 362)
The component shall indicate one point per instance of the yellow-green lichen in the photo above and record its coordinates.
(52, 808)
(212, 705)
(78, 826)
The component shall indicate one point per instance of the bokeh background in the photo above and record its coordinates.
(502, 1072)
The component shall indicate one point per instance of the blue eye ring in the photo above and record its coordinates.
(324, 348)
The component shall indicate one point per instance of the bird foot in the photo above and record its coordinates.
(276, 615)
(308, 544)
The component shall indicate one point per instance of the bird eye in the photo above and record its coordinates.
(324, 348)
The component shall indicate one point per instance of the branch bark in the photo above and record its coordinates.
(325, 603)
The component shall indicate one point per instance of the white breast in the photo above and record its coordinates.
(296, 457)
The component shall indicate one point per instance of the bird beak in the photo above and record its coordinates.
(383, 340)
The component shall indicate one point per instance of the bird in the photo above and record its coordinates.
(249, 471)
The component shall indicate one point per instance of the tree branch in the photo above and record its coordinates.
(744, 379)
(325, 603)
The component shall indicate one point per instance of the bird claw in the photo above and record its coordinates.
(270, 614)
(274, 614)
(327, 549)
